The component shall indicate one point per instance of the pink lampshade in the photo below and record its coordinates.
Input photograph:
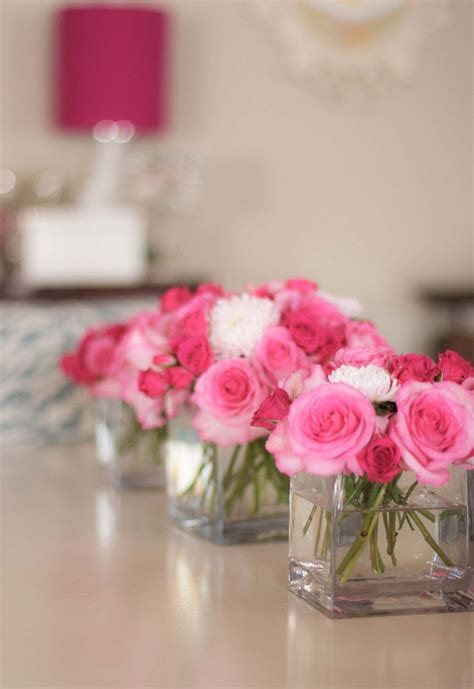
(111, 65)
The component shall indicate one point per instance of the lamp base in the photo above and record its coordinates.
(73, 245)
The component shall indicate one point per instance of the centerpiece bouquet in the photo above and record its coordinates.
(378, 446)
(188, 375)
(231, 349)
(131, 423)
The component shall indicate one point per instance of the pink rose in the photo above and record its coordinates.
(433, 428)
(317, 327)
(363, 356)
(98, 348)
(178, 378)
(195, 354)
(174, 401)
(364, 333)
(273, 408)
(152, 383)
(299, 285)
(192, 324)
(211, 288)
(418, 367)
(152, 411)
(328, 427)
(191, 319)
(97, 354)
(267, 289)
(94, 360)
(227, 395)
(175, 297)
(288, 300)
(278, 445)
(453, 367)
(228, 389)
(163, 360)
(145, 339)
(278, 355)
(71, 367)
(468, 384)
(380, 459)
(304, 380)
(148, 410)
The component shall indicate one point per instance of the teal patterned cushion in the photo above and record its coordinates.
(37, 404)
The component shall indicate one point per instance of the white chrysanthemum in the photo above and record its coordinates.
(372, 381)
(238, 323)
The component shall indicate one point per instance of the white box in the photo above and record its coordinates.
(73, 245)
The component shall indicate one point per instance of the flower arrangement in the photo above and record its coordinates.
(235, 347)
(131, 426)
(370, 417)
(91, 363)
(218, 354)
(159, 358)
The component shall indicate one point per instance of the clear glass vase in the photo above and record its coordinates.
(224, 494)
(134, 457)
(361, 549)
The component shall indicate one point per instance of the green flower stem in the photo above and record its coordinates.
(208, 494)
(353, 497)
(207, 489)
(309, 520)
(428, 515)
(323, 515)
(373, 551)
(401, 499)
(327, 534)
(129, 440)
(378, 566)
(247, 477)
(430, 540)
(318, 533)
(256, 502)
(192, 485)
(229, 475)
(391, 534)
(152, 448)
(144, 445)
(375, 500)
(213, 503)
(250, 466)
(381, 565)
(160, 435)
(241, 480)
(368, 525)
(392, 525)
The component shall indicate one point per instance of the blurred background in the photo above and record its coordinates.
(157, 142)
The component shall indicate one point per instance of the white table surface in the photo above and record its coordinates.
(98, 590)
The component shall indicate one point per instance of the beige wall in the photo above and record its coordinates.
(372, 201)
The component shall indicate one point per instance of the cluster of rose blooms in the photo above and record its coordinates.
(376, 413)
(329, 389)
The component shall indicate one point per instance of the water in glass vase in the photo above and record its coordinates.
(224, 494)
(134, 457)
(387, 558)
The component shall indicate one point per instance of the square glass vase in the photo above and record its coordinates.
(133, 457)
(224, 494)
(410, 552)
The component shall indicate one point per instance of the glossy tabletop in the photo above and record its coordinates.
(98, 590)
